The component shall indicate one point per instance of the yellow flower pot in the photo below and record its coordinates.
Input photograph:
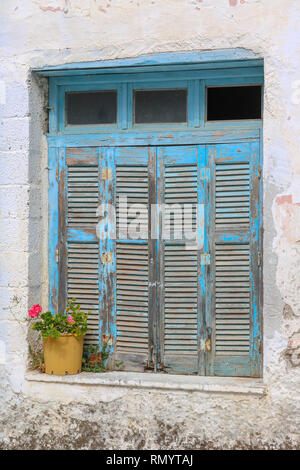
(63, 356)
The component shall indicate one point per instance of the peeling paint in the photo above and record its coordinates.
(293, 349)
(52, 9)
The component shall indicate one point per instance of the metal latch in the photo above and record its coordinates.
(259, 172)
(204, 174)
(205, 344)
(259, 345)
(106, 174)
(205, 259)
(107, 257)
(208, 339)
(259, 258)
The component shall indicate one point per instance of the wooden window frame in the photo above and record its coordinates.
(126, 76)
(195, 77)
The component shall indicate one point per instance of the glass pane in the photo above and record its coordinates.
(233, 102)
(93, 107)
(159, 106)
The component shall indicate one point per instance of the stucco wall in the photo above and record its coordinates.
(35, 33)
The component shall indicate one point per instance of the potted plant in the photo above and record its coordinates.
(63, 335)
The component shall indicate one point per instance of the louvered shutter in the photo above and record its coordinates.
(235, 273)
(179, 260)
(134, 272)
(79, 264)
(156, 297)
(109, 277)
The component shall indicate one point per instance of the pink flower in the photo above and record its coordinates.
(71, 319)
(35, 311)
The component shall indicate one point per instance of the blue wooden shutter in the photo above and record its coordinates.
(79, 263)
(234, 239)
(155, 297)
(134, 271)
(179, 270)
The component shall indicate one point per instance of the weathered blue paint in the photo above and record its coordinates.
(203, 200)
(214, 59)
(173, 155)
(223, 142)
(194, 103)
(107, 281)
(156, 138)
(253, 73)
(255, 274)
(53, 160)
(195, 80)
(195, 77)
(240, 154)
(232, 238)
(75, 235)
(171, 161)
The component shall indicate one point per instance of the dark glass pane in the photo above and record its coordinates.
(159, 106)
(93, 107)
(236, 102)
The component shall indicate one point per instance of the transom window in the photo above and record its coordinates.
(188, 102)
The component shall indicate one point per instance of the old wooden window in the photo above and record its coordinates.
(170, 302)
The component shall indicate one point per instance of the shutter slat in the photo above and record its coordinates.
(84, 259)
(135, 302)
(232, 302)
(177, 306)
(82, 196)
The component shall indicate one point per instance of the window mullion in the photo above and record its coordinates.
(194, 103)
(122, 106)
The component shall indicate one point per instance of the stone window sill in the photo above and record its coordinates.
(150, 381)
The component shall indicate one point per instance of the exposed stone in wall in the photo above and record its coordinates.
(293, 350)
(150, 421)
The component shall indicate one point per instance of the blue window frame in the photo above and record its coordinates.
(225, 159)
(195, 77)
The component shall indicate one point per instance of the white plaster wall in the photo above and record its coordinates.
(35, 33)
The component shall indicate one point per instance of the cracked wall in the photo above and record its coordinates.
(49, 32)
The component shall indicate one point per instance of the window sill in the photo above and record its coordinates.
(150, 381)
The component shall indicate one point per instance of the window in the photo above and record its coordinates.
(233, 103)
(159, 228)
(160, 106)
(97, 107)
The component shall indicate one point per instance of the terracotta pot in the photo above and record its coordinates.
(63, 356)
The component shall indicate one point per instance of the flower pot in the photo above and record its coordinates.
(63, 356)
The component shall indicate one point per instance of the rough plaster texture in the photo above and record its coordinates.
(35, 33)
